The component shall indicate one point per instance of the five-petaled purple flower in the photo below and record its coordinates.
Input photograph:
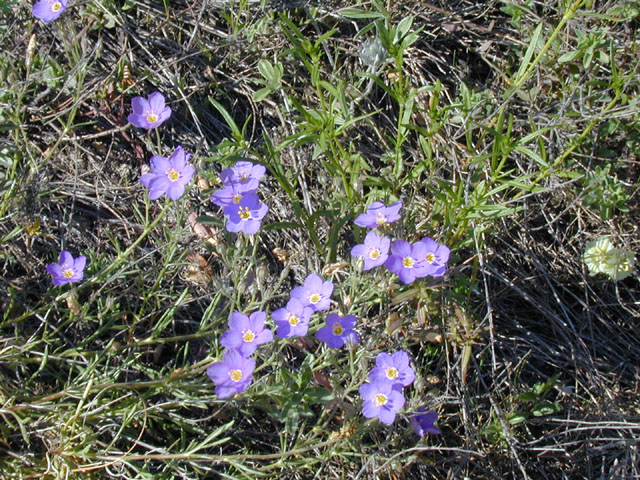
(378, 215)
(374, 251)
(246, 215)
(423, 422)
(149, 113)
(246, 333)
(436, 257)
(244, 173)
(382, 399)
(230, 194)
(49, 10)
(67, 269)
(292, 320)
(170, 175)
(315, 293)
(407, 261)
(232, 375)
(338, 330)
(394, 368)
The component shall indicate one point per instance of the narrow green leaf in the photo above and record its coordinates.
(358, 13)
(533, 43)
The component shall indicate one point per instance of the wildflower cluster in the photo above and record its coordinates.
(311, 297)
(601, 256)
(168, 175)
(233, 374)
(409, 261)
(239, 199)
(382, 394)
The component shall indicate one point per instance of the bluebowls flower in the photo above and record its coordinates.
(338, 331)
(49, 10)
(232, 375)
(170, 175)
(150, 113)
(68, 269)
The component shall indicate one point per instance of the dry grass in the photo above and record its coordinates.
(519, 297)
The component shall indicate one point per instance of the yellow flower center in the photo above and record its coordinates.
(407, 262)
(151, 117)
(314, 298)
(381, 219)
(244, 175)
(173, 174)
(236, 198)
(67, 273)
(373, 253)
(293, 319)
(430, 257)
(248, 335)
(235, 375)
(56, 6)
(337, 328)
(391, 373)
(380, 399)
(244, 213)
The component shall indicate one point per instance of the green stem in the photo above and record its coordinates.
(568, 15)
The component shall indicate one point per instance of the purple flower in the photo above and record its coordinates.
(230, 194)
(246, 215)
(244, 173)
(232, 375)
(436, 257)
(378, 215)
(338, 330)
(315, 293)
(149, 113)
(407, 261)
(423, 422)
(374, 251)
(246, 333)
(170, 175)
(292, 320)
(49, 10)
(394, 368)
(381, 399)
(67, 270)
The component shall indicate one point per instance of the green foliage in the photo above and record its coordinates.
(272, 79)
(604, 192)
(528, 405)
(534, 403)
(591, 46)
(516, 11)
(354, 105)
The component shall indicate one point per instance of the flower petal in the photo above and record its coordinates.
(160, 164)
(146, 179)
(54, 269)
(178, 159)
(175, 190)
(238, 321)
(139, 105)
(80, 263)
(156, 102)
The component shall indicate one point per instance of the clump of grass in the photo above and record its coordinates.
(493, 124)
